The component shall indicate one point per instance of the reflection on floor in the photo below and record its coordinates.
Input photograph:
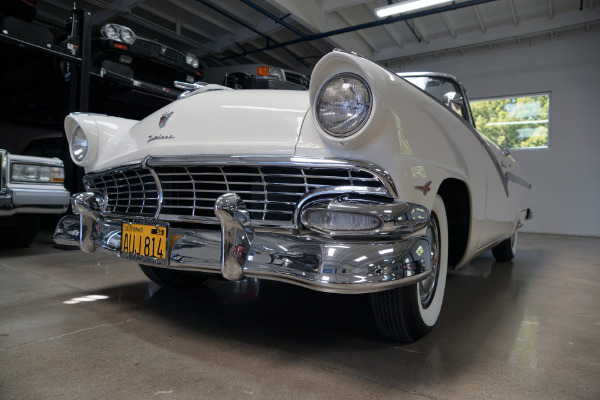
(80, 326)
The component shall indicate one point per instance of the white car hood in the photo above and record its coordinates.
(220, 122)
(225, 122)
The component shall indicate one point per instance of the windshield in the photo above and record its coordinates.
(445, 90)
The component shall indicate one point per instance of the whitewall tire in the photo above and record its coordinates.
(408, 313)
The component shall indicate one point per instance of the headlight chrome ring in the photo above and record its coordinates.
(79, 145)
(343, 105)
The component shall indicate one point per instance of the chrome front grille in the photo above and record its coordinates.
(270, 192)
(128, 191)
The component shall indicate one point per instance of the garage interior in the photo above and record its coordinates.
(91, 326)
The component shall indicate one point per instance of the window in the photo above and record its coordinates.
(514, 122)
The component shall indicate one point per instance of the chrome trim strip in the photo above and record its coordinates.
(509, 176)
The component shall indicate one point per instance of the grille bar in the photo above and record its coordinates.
(270, 192)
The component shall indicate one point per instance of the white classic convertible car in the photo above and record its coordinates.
(369, 182)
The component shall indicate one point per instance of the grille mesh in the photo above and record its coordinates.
(156, 47)
(129, 191)
(270, 193)
(296, 78)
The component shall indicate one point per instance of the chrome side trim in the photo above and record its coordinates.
(510, 177)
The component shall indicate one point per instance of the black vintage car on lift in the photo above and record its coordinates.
(117, 49)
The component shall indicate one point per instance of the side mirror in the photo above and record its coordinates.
(454, 101)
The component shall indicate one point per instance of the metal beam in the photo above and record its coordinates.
(119, 7)
(496, 34)
(309, 14)
(396, 37)
(337, 5)
(388, 20)
(480, 19)
(274, 18)
(350, 21)
(177, 22)
(185, 5)
(247, 26)
(513, 11)
(449, 25)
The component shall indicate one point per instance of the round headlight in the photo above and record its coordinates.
(127, 35)
(110, 31)
(343, 105)
(79, 145)
(192, 60)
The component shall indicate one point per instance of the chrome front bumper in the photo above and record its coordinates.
(33, 201)
(306, 258)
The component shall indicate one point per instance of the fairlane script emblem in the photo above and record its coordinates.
(163, 120)
(425, 189)
(159, 137)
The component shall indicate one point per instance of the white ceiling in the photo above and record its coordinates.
(228, 28)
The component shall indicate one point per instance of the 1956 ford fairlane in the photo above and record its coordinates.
(369, 182)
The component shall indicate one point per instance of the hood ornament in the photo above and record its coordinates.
(164, 118)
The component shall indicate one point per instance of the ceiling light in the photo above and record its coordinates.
(407, 6)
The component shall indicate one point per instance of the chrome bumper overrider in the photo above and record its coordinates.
(331, 264)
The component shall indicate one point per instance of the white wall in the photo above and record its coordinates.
(566, 177)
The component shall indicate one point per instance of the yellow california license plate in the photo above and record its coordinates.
(145, 241)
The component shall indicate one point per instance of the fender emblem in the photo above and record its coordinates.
(159, 137)
(425, 189)
(164, 118)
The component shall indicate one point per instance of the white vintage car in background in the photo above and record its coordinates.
(367, 183)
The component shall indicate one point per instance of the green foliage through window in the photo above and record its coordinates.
(514, 122)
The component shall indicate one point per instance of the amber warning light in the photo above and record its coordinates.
(263, 70)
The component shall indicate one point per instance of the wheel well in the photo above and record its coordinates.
(458, 211)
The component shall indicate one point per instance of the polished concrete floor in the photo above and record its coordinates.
(80, 326)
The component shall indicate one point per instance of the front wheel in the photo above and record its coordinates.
(173, 278)
(408, 313)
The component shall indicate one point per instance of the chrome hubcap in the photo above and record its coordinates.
(428, 285)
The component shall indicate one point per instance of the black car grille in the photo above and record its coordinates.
(270, 192)
(160, 49)
(296, 78)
